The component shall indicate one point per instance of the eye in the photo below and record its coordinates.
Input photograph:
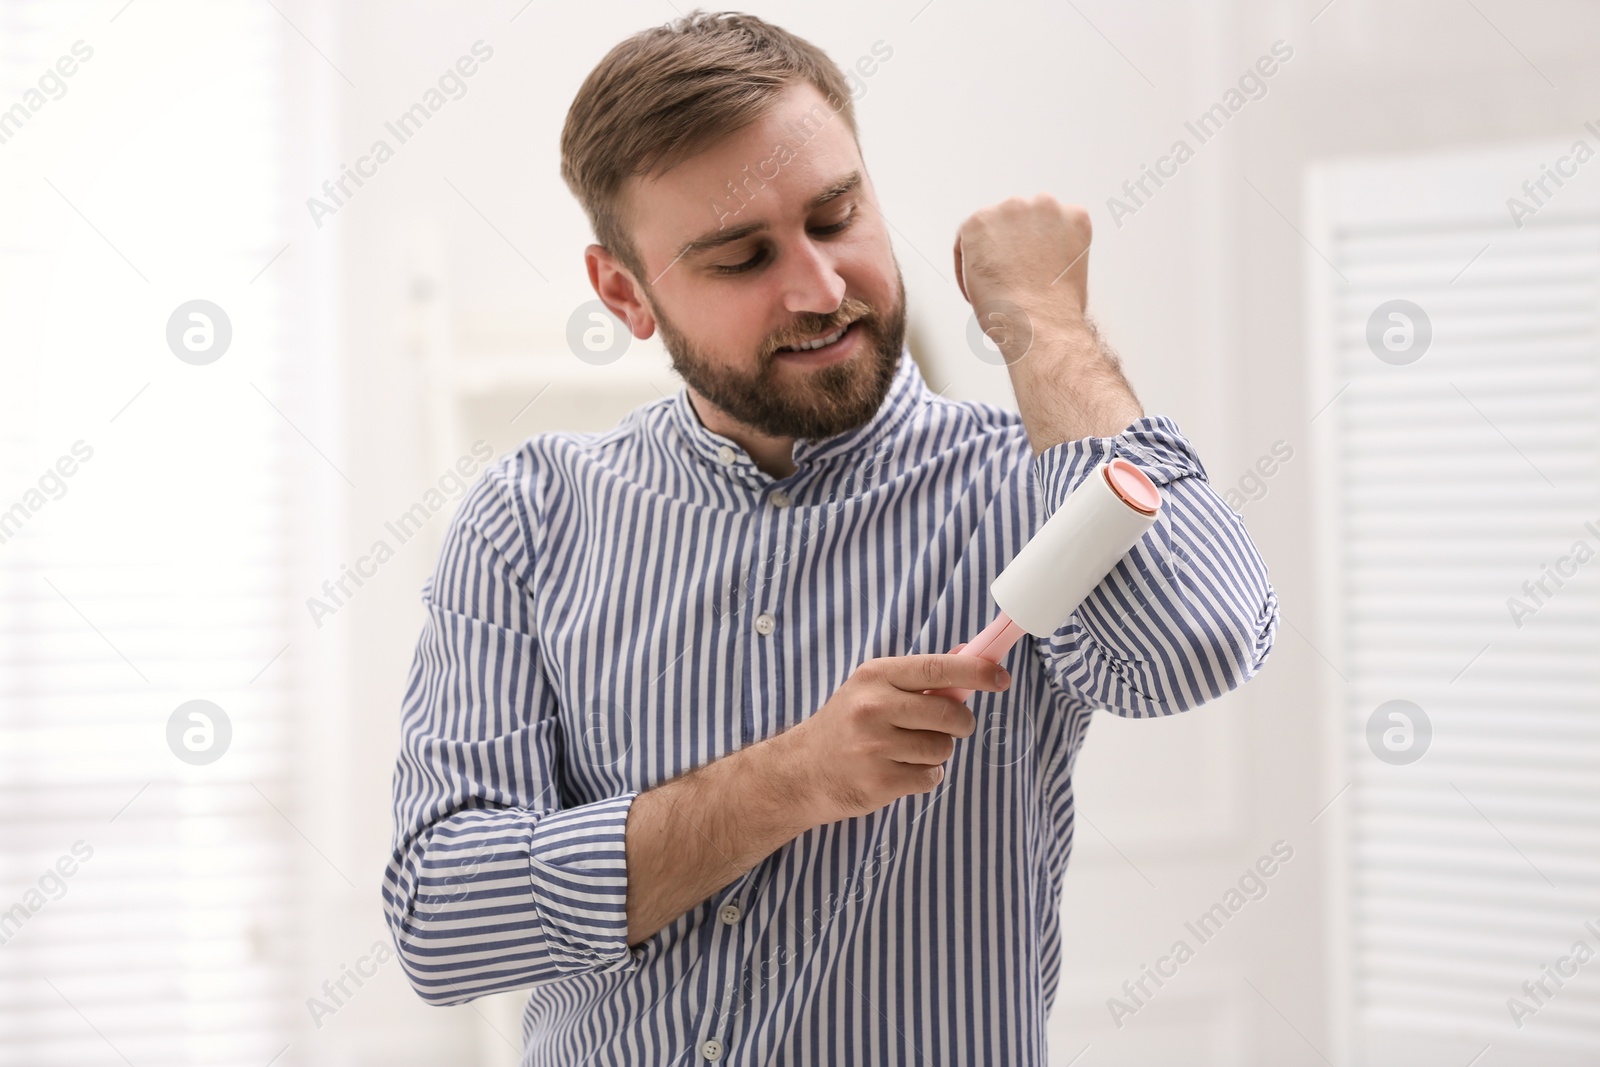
(739, 268)
(760, 256)
(836, 227)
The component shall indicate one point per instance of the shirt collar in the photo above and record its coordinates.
(907, 392)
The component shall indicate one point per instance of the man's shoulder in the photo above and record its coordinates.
(952, 426)
(505, 506)
(550, 453)
(981, 416)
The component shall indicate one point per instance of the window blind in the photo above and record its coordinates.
(145, 901)
(1452, 479)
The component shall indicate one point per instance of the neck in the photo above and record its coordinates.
(774, 455)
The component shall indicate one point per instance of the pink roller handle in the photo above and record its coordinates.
(992, 644)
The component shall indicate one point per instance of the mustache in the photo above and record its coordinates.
(809, 324)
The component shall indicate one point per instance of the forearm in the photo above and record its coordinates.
(693, 835)
(1069, 384)
(880, 736)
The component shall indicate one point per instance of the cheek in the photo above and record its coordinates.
(868, 276)
(729, 323)
(871, 268)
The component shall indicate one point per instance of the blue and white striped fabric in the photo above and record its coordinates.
(611, 610)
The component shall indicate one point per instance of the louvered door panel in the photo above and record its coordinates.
(1449, 481)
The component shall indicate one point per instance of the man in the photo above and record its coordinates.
(669, 756)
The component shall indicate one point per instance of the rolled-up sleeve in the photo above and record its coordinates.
(1188, 614)
(492, 884)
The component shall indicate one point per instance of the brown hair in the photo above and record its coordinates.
(667, 93)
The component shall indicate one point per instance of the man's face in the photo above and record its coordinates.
(771, 239)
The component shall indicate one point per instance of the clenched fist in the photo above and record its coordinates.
(1030, 253)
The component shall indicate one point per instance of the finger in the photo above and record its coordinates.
(919, 778)
(915, 674)
(963, 695)
(961, 281)
(931, 714)
(925, 748)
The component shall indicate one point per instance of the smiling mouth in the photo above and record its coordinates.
(821, 342)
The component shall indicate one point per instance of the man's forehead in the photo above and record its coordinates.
(799, 155)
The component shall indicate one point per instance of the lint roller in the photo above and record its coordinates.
(1071, 554)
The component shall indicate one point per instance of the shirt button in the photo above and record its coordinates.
(712, 1049)
(780, 499)
(730, 914)
(765, 624)
(725, 455)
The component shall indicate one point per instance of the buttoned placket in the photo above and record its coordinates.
(767, 556)
(728, 934)
(781, 527)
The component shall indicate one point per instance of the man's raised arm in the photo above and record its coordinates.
(1190, 614)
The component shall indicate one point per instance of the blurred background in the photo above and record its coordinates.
(1366, 292)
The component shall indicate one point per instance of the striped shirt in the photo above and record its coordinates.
(611, 610)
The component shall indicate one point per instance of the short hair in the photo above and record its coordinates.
(667, 93)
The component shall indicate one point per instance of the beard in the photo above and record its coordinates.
(824, 401)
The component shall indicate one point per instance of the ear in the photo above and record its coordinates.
(619, 291)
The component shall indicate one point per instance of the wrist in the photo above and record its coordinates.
(1056, 334)
(778, 787)
(1070, 385)
(784, 784)
(1030, 328)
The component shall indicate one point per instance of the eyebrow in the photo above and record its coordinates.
(719, 237)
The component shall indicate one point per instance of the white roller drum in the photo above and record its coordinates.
(1077, 547)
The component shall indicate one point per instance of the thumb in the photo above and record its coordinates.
(961, 276)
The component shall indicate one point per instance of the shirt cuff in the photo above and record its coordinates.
(578, 861)
(1152, 443)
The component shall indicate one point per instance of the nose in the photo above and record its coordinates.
(811, 283)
